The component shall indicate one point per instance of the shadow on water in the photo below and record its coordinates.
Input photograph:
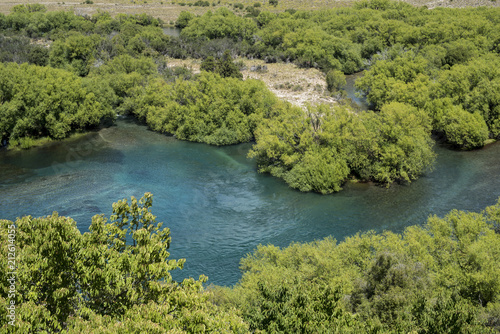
(216, 205)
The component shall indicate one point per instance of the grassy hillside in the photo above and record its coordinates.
(168, 11)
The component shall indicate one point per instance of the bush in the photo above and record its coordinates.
(224, 66)
(465, 130)
(201, 3)
(53, 103)
(183, 19)
(214, 110)
(335, 81)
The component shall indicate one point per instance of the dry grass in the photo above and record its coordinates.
(290, 83)
(168, 11)
(164, 10)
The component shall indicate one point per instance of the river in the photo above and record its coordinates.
(360, 101)
(216, 204)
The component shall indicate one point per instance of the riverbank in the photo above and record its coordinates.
(27, 143)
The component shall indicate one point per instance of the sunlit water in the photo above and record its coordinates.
(216, 204)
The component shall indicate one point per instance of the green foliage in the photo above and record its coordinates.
(238, 5)
(319, 150)
(29, 8)
(475, 87)
(25, 143)
(402, 79)
(210, 109)
(335, 80)
(252, 11)
(224, 66)
(77, 51)
(19, 50)
(413, 55)
(113, 279)
(209, 65)
(404, 144)
(439, 278)
(201, 3)
(465, 130)
(183, 19)
(219, 24)
(41, 101)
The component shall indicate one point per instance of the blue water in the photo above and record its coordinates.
(216, 204)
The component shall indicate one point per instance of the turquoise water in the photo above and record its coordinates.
(216, 204)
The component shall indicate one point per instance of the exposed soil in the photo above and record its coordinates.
(290, 83)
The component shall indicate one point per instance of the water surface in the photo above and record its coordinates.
(216, 204)
(353, 94)
(172, 31)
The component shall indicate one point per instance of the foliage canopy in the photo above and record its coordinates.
(113, 279)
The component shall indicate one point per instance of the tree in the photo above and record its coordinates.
(442, 277)
(404, 144)
(222, 23)
(335, 80)
(465, 130)
(43, 101)
(117, 275)
(183, 19)
(320, 150)
(227, 68)
(224, 66)
(208, 65)
(210, 109)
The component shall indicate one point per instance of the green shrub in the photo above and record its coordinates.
(215, 110)
(465, 130)
(335, 80)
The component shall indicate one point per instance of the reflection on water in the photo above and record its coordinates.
(172, 31)
(216, 204)
(351, 91)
